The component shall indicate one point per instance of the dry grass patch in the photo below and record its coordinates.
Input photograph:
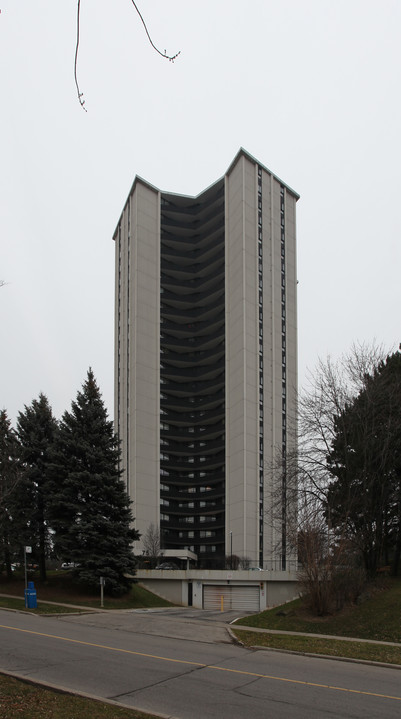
(28, 701)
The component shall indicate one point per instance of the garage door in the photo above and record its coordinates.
(231, 597)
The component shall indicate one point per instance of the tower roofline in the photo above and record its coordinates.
(244, 153)
(241, 153)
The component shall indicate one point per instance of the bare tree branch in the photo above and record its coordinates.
(80, 94)
(81, 100)
(163, 54)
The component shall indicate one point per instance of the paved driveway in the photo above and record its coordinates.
(176, 622)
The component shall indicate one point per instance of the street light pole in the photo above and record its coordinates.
(231, 551)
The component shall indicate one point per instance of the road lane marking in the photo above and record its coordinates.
(205, 666)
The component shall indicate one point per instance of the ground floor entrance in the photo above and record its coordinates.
(224, 597)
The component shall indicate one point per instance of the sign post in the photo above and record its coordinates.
(102, 581)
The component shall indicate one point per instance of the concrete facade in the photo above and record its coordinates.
(272, 588)
(214, 278)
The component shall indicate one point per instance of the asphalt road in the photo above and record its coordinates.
(182, 664)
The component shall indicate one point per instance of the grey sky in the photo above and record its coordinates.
(309, 87)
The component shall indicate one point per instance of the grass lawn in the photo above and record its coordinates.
(327, 647)
(28, 701)
(61, 587)
(377, 618)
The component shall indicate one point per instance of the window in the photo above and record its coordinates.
(164, 517)
(164, 502)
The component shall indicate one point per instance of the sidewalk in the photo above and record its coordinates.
(56, 604)
(336, 637)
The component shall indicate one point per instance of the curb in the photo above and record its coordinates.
(351, 660)
(64, 690)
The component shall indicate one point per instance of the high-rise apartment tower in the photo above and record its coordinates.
(206, 362)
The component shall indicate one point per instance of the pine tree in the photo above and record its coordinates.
(90, 509)
(11, 529)
(365, 463)
(36, 430)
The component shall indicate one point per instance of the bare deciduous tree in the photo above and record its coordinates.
(152, 544)
(327, 553)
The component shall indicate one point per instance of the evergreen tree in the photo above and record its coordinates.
(11, 529)
(36, 430)
(90, 509)
(365, 461)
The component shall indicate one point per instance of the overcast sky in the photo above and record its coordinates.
(311, 88)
